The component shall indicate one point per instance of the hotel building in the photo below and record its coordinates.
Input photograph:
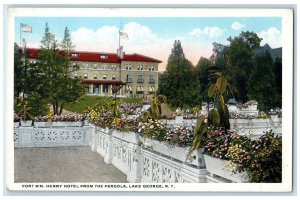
(102, 71)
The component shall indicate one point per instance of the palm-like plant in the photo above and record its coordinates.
(23, 109)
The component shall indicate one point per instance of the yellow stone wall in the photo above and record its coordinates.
(99, 69)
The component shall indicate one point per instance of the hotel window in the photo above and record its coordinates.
(140, 79)
(151, 68)
(104, 77)
(95, 76)
(151, 90)
(140, 90)
(128, 67)
(151, 78)
(95, 66)
(75, 55)
(103, 56)
(85, 65)
(105, 66)
(128, 78)
(128, 89)
(85, 76)
(114, 67)
(140, 67)
(113, 77)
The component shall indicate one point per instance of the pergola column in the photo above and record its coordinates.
(91, 89)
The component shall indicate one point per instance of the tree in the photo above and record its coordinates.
(19, 73)
(203, 77)
(66, 44)
(261, 83)
(241, 53)
(278, 81)
(56, 85)
(179, 83)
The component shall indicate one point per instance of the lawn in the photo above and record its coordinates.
(89, 101)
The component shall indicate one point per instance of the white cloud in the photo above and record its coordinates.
(272, 36)
(141, 40)
(211, 32)
(237, 26)
(100, 40)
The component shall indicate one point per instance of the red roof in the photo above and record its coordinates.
(104, 82)
(96, 57)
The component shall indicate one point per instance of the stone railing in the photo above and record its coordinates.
(143, 160)
(255, 126)
(51, 134)
(146, 160)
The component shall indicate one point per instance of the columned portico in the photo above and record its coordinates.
(103, 87)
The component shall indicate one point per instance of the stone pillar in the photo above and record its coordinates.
(109, 147)
(91, 90)
(135, 170)
(26, 136)
(87, 133)
(100, 89)
(92, 141)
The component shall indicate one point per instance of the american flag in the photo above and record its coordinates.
(26, 28)
(123, 35)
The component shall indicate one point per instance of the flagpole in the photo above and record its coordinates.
(20, 34)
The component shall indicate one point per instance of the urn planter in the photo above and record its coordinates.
(16, 124)
(26, 123)
(215, 166)
(41, 124)
(86, 122)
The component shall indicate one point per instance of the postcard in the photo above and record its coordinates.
(149, 99)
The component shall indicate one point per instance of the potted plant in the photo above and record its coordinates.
(24, 112)
(67, 120)
(42, 121)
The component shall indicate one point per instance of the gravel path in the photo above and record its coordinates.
(63, 164)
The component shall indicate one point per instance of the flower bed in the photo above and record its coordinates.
(260, 159)
(181, 136)
(68, 118)
(131, 108)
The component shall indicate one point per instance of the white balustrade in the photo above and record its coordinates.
(141, 159)
(47, 136)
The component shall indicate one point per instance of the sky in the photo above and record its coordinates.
(151, 36)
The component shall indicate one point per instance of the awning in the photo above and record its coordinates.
(128, 88)
(104, 82)
(151, 89)
(140, 89)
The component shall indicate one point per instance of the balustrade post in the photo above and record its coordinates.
(109, 147)
(135, 162)
(26, 136)
(92, 141)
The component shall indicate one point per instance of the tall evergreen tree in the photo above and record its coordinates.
(178, 83)
(66, 44)
(57, 85)
(203, 77)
